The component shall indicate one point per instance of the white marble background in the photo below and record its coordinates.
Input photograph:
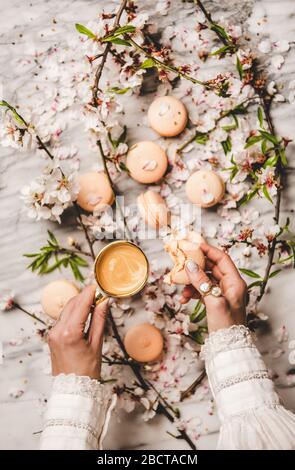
(23, 25)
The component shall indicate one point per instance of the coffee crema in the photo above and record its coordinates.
(121, 269)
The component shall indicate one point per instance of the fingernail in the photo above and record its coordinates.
(192, 266)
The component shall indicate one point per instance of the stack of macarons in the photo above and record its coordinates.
(147, 163)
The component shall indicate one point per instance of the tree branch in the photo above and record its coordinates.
(99, 69)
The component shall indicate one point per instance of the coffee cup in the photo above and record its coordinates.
(121, 270)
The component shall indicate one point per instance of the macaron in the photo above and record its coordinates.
(153, 209)
(205, 188)
(181, 251)
(56, 295)
(147, 162)
(95, 191)
(167, 116)
(144, 343)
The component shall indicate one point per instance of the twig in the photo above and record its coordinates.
(158, 63)
(16, 305)
(190, 390)
(84, 228)
(145, 386)
(271, 251)
(104, 160)
(212, 23)
(99, 69)
(266, 105)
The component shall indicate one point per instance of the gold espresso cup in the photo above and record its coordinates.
(121, 270)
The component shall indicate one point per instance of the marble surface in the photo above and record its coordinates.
(27, 27)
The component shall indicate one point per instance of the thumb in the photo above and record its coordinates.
(202, 283)
(97, 325)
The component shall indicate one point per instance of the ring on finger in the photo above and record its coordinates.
(205, 288)
(216, 291)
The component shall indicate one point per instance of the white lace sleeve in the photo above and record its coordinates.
(77, 414)
(248, 406)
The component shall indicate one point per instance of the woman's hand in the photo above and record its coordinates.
(71, 351)
(224, 311)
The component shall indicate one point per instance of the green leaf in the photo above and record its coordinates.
(264, 149)
(233, 173)
(226, 145)
(123, 167)
(114, 36)
(31, 255)
(254, 284)
(252, 140)
(268, 136)
(197, 337)
(118, 41)
(80, 261)
(52, 237)
(223, 50)
(220, 31)
(250, 273)
(122, 138)
(83, 30)
(201, 138)
(245, 199)
(240, 109)
(128, 28)
(75, 270)
(52, 267)
(266, 193)
(292, 247)
(199, 313)
(15, 114)
(239, 68)
(147, 64)
(119, 91)
(274, 273)
(260, 116)
(283, 156)
(271, 161)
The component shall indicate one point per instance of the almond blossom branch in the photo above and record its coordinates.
(191, 389)
(224, 114)
(161, 65)
(104, 160)
(266, 105)
(99, 69)
(144, 384)
(44, 147)
(19, 307)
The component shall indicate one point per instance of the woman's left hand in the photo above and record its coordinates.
(71, 351)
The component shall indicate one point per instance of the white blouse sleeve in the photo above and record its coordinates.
(248, 406)
(77, 414)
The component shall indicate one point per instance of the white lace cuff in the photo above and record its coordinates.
(248, 406)
(237, 374)
(77, 414)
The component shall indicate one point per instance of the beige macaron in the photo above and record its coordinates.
(55, 296)
(167, 116)
(205, 188)
(153, 209)
(144, 343)
(147, 162)
(95, 191)
(181, 251)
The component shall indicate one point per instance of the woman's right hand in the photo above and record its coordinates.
(228, 309)
(71, 351)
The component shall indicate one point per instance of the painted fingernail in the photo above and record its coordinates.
(192, 266)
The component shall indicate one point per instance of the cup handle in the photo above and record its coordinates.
(99, 297)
